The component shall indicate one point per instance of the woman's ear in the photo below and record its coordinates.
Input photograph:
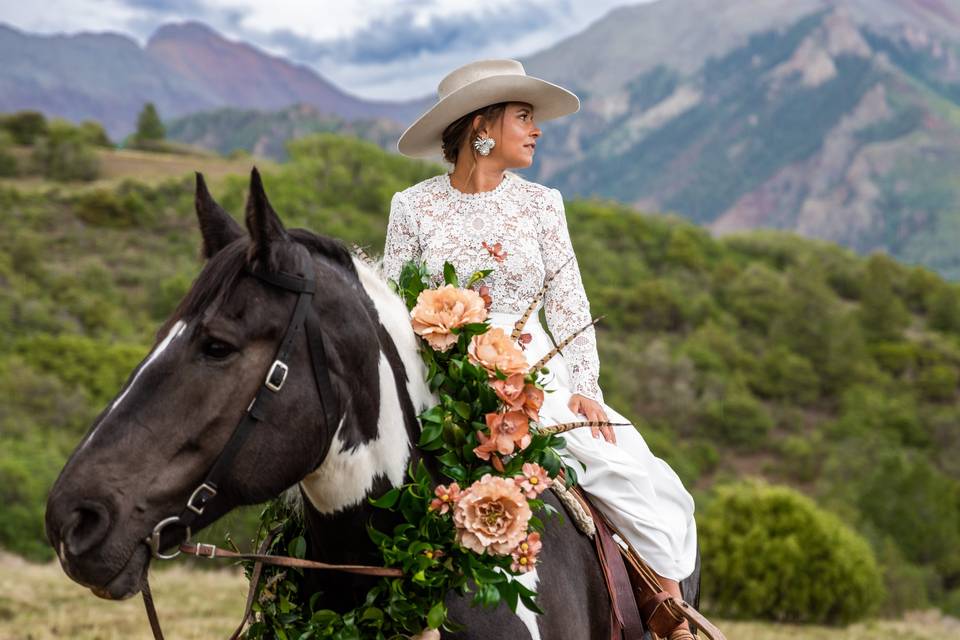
(479, 124)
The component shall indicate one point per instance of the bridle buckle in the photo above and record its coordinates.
(276, 376)
(205, 492)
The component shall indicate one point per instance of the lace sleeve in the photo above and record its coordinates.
(402, 243)
(565, 305)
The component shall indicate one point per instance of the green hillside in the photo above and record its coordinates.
(761, 354)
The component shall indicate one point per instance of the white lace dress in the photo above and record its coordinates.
(432, 221)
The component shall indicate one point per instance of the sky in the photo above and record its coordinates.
(371, 48)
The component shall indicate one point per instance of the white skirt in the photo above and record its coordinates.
(638, 493)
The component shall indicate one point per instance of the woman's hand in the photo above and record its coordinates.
(594, 413)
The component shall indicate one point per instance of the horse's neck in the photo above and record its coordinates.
(375, 442)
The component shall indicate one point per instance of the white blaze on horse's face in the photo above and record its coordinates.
(175, 332)
(345, 478)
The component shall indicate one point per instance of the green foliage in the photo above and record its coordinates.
(149, 126)
(902, 492)
(426, 544)
(737, 418)
(26, 127)
(751, 342)
(66, 154)
(939, 383)
(89, 364)
(784, 375)
(882, 314)
(94, 133)
(771, 553)
(8, 163)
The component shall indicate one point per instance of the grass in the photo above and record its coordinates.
(145, 166)
(38, 602)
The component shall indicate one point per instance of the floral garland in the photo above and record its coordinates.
(476, 533)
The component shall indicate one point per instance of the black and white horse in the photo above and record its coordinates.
(157, 440)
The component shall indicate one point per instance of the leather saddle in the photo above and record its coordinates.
(638, 602)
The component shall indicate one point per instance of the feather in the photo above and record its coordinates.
(522, 322)
(570, 426)
(563, 344)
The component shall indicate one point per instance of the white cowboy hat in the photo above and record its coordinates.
(477, 85)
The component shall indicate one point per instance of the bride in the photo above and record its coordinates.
(481, 216)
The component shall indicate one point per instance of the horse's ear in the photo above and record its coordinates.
(216, 226)
(263, 223)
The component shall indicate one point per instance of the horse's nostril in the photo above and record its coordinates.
(85, 527)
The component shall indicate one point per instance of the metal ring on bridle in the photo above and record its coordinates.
(153, 540)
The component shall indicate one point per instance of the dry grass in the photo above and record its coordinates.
(38, 602)
(119, 164)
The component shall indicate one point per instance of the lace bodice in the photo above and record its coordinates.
(434, 222)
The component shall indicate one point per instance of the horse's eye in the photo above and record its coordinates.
(217, 349)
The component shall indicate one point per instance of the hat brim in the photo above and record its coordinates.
(422, 138)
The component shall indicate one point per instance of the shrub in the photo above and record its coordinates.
(65, 154)
(25, 126)
(737, 419)
(902, 493)
(756, 296)
(784, 375)
(97, 367)
(938, 383)
(8, 163)
(770, 552)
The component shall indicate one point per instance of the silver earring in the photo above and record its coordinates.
(484, 145)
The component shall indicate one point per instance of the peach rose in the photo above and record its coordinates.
(534, 480)
(525, 555)
(519, 396)
(439, 310)
(507, 432)
(494, 350)
(491, 516)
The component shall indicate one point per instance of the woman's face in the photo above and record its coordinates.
(516, 136)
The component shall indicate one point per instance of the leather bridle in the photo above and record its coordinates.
(257, 411)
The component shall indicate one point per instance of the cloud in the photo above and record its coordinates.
(388, 49)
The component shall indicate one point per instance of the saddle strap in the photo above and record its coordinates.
(623, 605)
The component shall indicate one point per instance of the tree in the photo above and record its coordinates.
(149, 126)
(25, 126)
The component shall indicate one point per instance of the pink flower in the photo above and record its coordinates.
(525, 554)
(439, 310)
(534, 480)
(491, 516)
(496, 251)
(494, 350)
(484, 293)
(507, 431)
(446, 497)
(524, 340)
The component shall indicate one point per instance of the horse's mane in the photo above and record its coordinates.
(220, 273)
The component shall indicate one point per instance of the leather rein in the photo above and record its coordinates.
(257, 411)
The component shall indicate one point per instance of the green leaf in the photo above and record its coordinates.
(450, 274)
(478, 275)
(436, 616)
(387, 500)
(462, 409)
(297, 547)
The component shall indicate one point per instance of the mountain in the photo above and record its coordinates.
(839, 120)
(265, 133)
(184, 68)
